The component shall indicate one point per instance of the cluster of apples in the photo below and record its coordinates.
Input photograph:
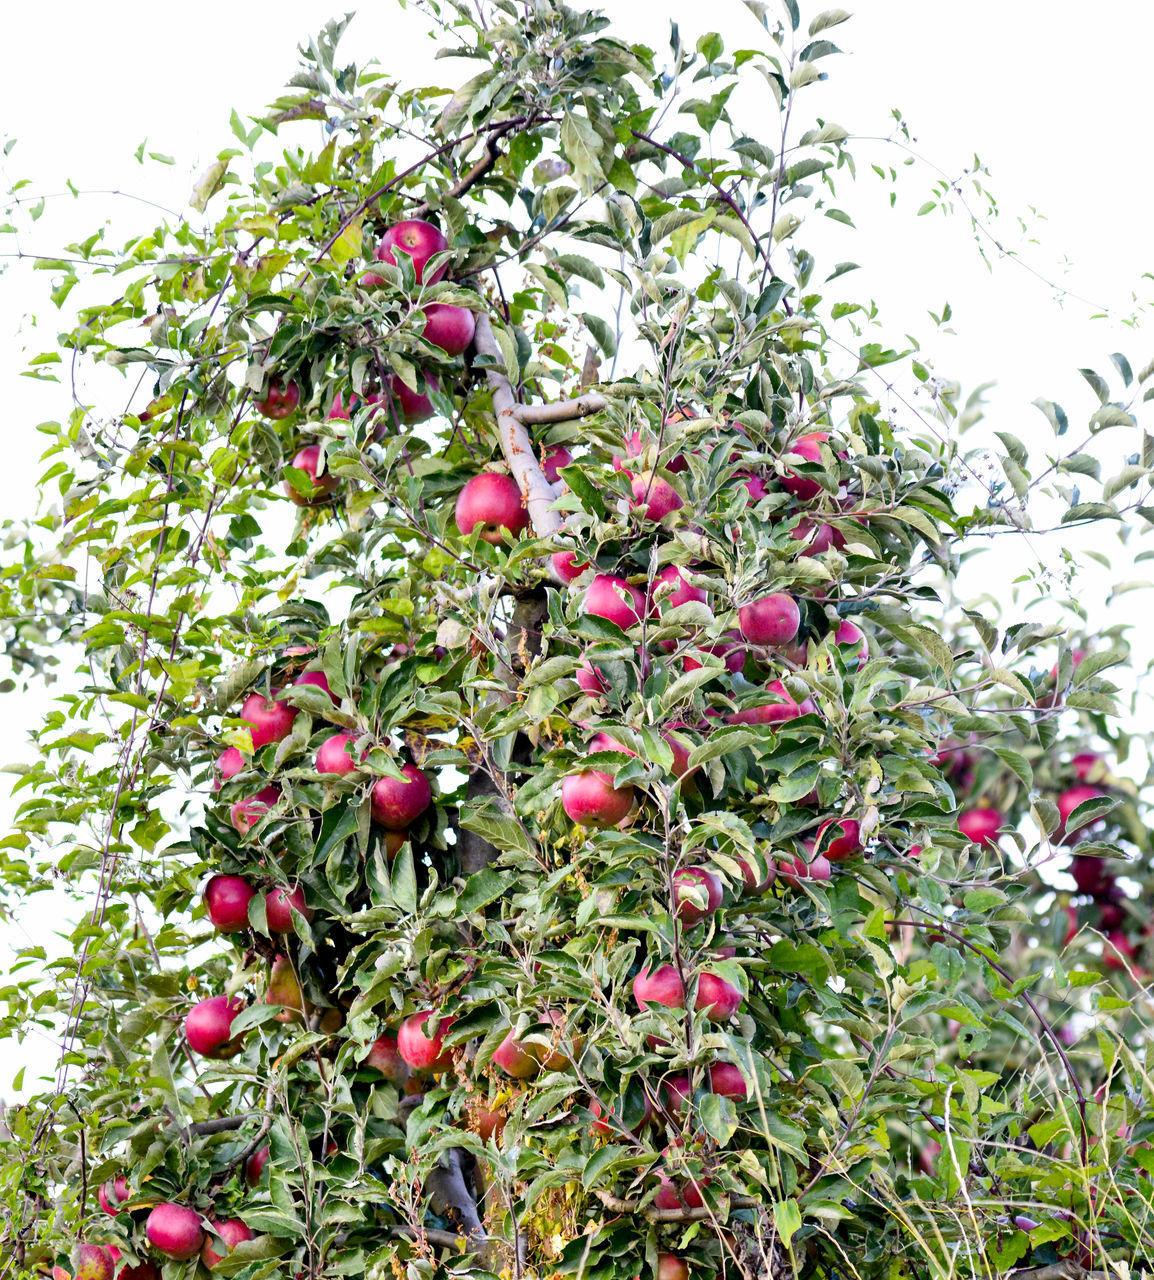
(445, 326)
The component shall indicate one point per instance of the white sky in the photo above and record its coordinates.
(1053, 97)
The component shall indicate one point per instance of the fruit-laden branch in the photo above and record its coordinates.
(560, 410)
(650, 1214)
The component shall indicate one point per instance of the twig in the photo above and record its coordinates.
(478, 171)
(516, 446)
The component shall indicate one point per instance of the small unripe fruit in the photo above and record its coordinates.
(175, 1231)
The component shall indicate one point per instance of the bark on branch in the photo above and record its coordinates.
(560, 410)
(650, 1214)
(516, 446)
(223, 1124)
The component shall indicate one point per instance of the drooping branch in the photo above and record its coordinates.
(516, 446)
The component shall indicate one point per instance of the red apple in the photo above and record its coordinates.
(92, 1262)
(492, 503)
(420, 240)
(334, 754)
(385, 1057)
(849, 633)
(1085, 764)
(397, 802)
(112, 1194)
(413, 406)
(754, 884)
(670, 589)
(269, 719)
(677, 1092)
(716, 998)
(697, 893)
(772, 620)
(145, 1270)
(319, 488)
(232, 1231)
(818, 538)
(980, 826)
(808, 447)
(279, 401)
(816, 868)
(839, 838)
(591, 679)
(245, 814)
(671, 1267)
(320, 681)
(1117, 949)
(566, 566)
(277, 912)
(591, 800)
(654, 496)
(662, 986)
(733, 653)
(448, 327)
(174, 1231)
(755, 486)
(486, 1122)
(678, 1194)
(226, 900)
(782, 707)
(514, 1059)
(422, 1052)
(614, 600)
(254, 1165)
(1067, 802)
(636, 444)
(727, 1080)
(556, 457)
(228, 764)
(1089, 874)
(208, 1027)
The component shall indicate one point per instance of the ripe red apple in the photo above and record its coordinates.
(397, 802)
(818, 538)
(614, 600)
(754, 884)
(772, 620)
(420, 1051)
(654, 496)
(112, 1194)
(670, 589)
(849, 633)
(277, 912)
(269, 719)
(755, 486)
(553, 1057)
(174, 1231)
(717, 998)
(556, 457)
(566, 565)
(92, 1262)
(1117, 950)
(591, 800)
(320, 681)
(226, 900)
(839, 838)
(1085, 764)
(412, 406)
(1067, 802)
(208, 1027)
(280, 400)
(228, 764)
(245, 814)
(1089, 874)
(782, 707)
(254, 1165)
(727, 1080)
(980, 826)
(732, 649)
(492, 502)
(808, 447)
(591, 679)
(697, 893)
(675, 1194)
(662, 986)
(677, 1092)
(420, 240)
(448, 327)
(233, 1232)
(385, 1057)
(334, 754)
(671, 1267)
(486, 1122)
(816, 868)
(514, 1059)
(321, 488)
(145, 1270)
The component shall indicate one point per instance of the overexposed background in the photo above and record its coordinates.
(1051, 99)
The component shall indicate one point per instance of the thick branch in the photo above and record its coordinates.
(560, 410)
(221, 1125)
(650, 1214)
(442, 1239)
(450, 1196)
(516, 446)
(1064, 1270)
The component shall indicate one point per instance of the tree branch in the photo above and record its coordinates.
(560, 410)
(650, 1214)
(516, 446)
(223, 1124)
(478, 171)
(442, 1239)
(450, 1196)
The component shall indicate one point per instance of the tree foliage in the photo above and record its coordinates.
(688, 401)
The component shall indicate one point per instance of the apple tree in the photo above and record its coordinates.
(537, 798)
